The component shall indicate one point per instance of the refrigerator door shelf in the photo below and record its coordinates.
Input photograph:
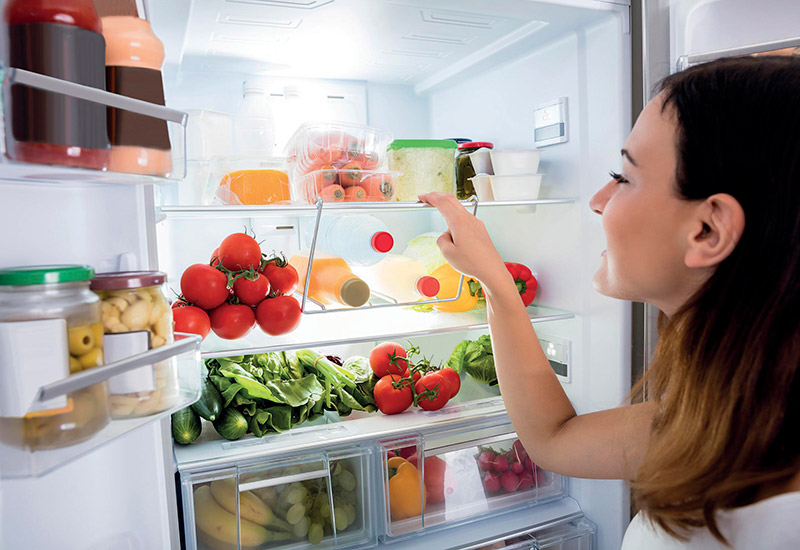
(338, 328)
(467, 475)
(19, 159)
(323, 498)
(18, 460)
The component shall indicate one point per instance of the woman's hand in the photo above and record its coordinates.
(466, 244)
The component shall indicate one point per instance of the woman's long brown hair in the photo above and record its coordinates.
(726, 371)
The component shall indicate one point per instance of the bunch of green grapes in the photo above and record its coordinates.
(308, 505)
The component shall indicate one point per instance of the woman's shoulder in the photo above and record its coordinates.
(768, 523)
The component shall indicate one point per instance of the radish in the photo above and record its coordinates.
(486, 461)
(525, 481)
(510, 482)
(517, 468)
(501, 464)
(491, 482)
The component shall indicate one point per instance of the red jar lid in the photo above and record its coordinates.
(121, 280)
(476, 145)
(428, 286)
(382, 242)
(76, 13)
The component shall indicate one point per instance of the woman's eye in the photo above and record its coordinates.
(618, 177)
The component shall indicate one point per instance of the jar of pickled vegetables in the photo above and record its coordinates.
(466, 169)
(50, 323)
(137, 317)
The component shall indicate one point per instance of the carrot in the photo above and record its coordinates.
(379, 187)
(332, 193)
(350, 174)
(355, 193)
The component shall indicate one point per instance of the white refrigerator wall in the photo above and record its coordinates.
(563, 243)
(114, 497)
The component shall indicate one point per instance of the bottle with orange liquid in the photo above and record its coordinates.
(332, 281)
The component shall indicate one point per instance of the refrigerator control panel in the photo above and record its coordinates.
(550, 123)
(557, 351)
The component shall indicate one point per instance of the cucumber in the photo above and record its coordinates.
(209, 406)
(231, 424)
(185, 426)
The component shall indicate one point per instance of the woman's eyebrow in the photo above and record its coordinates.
(625, 153)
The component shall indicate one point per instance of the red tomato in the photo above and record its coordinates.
(231, 321)
(434, 478)
(282, 276)
(388, 358)
(393, 396)
(251, 292)
(278, 315)
(191, 319)
(204, 286)
(435, 391)
(416, 376)
(452, 378)
(215, 257)
(240, 251)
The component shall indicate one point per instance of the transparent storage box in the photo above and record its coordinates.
(317, 145)
(41, 143)
(248, 181)
(575, 534)
(343, 185)
(313, 501)
(462, 481)
(426, 165)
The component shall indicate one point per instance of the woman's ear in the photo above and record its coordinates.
(716, 231)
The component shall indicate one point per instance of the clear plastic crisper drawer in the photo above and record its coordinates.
(574, 534)
(314, 501)
(464, 478)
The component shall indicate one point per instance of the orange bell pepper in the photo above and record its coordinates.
(405, 499)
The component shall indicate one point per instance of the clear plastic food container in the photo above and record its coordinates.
(343, 185)
(50, 323)
(137, 317)
(248, 180)
(316, 145)
(425, 165)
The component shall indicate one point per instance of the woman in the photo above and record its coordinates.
(704, 223)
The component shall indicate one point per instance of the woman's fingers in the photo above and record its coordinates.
(447, 204)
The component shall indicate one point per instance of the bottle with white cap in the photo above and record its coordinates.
(254, 123)
(360, 239)
(401, 278)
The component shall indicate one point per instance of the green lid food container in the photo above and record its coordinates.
(426, 165)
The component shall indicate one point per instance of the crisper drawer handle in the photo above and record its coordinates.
(260, 484)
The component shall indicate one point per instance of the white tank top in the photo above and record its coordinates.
(772, 523)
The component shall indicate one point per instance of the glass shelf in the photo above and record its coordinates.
(342, 327)
(19, 460)
(243, 211)
(15, 170)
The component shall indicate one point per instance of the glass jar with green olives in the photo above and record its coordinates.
(465, 169)
(38, 293)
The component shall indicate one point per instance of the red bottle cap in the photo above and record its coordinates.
(382, 242)
(428, 286)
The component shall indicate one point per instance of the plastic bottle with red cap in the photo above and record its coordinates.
(399, 277)
(359, 239)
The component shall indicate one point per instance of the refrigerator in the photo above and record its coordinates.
(568, 76)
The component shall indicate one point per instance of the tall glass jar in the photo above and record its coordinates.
(137, 317)
(465, 169)
(39, 293)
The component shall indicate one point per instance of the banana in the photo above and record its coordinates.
(251, 507)
(213, 520)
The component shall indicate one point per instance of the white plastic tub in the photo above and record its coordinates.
(515, 188)
(514, 162)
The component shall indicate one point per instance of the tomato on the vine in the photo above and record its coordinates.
(251, 288)
(393, 394)
(388, 358)
(231, 321)
(204, 286)
(240, 251)
(432, 391)
(278, 315)
(452, 378)
(215, 258)
(282, 276)
(191, 319)
(416, 375)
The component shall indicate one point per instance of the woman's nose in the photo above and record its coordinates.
(598, 201)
